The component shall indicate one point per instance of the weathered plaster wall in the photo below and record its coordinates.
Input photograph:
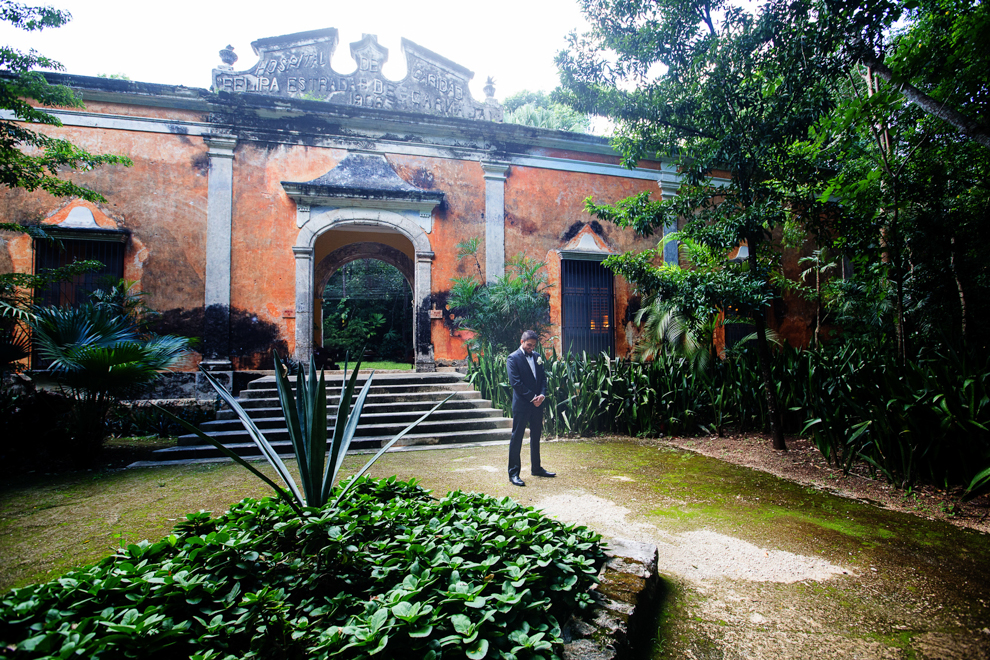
(792, 315)
(460, 217)
(541, 206)
(545, 209)
(160, 201)
(263, 231)
(173, 114)
(338, 238)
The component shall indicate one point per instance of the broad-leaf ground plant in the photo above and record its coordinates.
(389, 573)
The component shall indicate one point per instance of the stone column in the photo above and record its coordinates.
(670, 183)
(495, 175)
(423, 298)
(220, 189)
(304, 302)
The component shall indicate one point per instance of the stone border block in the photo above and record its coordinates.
(621, 620)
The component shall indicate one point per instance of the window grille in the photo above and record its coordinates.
(63, 252)
(587, 318)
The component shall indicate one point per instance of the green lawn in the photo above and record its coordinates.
(386, 365)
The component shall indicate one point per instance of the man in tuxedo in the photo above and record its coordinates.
(529, 390)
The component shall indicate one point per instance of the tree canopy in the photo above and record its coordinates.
(30, 159)
(713, 88)
(538, 109)
(811, 117)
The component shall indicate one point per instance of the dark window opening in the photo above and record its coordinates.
(75, 291)
(587, 318)
(737, 326)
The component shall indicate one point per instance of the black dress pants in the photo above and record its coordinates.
(531, 416)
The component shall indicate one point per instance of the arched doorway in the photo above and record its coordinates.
(329, 238)
(366, 298)
(363, 200)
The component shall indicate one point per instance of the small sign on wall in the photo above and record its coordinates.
(436, 313)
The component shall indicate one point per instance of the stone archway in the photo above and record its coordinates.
(333, 262)
(367, 250)
(314, 222)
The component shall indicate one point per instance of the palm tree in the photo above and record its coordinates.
(666, 330)
(99, 356)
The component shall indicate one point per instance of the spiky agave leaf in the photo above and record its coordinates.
(281, 492)
(343, 434)
(388, 445)
(256, 435)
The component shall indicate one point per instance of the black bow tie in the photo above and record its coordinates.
(528, 355)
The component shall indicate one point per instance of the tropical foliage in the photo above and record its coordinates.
(390, 572)
(729, 98)
(929, 423)
(538, 109)
(498, 312)
(368, 303)
(348, 327)
(100, 356)
(17, 304)
(860, 124)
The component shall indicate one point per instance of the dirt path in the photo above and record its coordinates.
(756, 566)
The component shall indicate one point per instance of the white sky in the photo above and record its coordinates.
(177, 41)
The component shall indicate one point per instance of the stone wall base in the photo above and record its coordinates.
(621, 621)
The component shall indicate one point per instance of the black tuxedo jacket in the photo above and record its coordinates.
(524, 386)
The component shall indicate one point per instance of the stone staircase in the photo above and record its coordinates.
(395, 400)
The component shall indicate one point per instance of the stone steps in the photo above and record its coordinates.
(394, 401)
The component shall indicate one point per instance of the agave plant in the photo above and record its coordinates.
(305, 414)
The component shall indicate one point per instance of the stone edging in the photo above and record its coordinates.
(619, 624)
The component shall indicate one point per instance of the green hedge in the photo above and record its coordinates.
(927, 421)
(393, 572)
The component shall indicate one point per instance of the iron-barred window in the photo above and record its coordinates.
(587, 318)
(66, 251)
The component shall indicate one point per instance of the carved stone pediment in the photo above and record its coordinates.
(365, 180)
(298, 66)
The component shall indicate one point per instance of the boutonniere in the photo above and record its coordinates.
(539, 360)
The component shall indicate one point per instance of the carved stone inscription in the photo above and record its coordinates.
(298, 66)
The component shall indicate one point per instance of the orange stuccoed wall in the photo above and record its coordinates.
(162, 203)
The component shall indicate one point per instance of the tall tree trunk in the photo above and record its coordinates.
(818, 302)
(892, 241)
(959, 286)
(897, 272)
(973, 129)
(773, 406)
(763, 352)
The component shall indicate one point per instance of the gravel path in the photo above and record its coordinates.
(700, 556)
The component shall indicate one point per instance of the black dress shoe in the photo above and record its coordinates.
(544, 473)
(516, 481)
